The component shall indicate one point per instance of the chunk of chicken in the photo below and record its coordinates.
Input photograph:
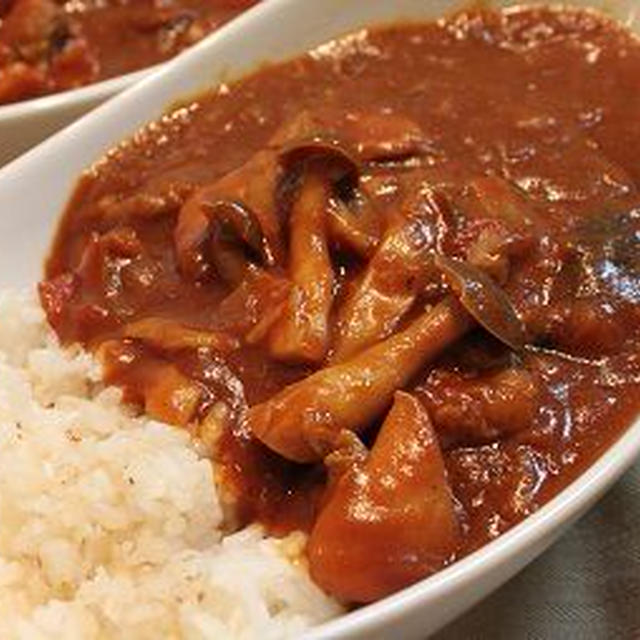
(251, 308)
(483, 408)
(390, 519)
(500, 200)
(374, 136)
(580, 326)
(170, 396)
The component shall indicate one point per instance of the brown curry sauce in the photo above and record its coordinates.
(543, 102)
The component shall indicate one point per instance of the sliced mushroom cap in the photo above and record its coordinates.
(371, 136)
(237, 240)
(353, 222)
(484, 300)
(324, 151)
(352, 394)
(245, 198)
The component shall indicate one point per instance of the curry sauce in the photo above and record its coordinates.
(444, 214)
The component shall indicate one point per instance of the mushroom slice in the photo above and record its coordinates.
(484, 300)
(392, 280)
(352, 220)
(390, 519)
(237, 243)
(313, 166)
(373, 136)
(354, 224)
(352, 394)
(168, 335)
(323, 149)
(242, 195)
(302, 332)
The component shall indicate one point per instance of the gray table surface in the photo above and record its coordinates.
(587, 586)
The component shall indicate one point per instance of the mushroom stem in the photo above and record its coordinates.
(302, 332)
(390, 285)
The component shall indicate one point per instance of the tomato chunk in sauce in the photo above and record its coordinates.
(54, 45)
(393, 284)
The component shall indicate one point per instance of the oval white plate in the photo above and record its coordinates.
(34, 189)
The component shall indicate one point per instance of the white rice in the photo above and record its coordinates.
(110, 526)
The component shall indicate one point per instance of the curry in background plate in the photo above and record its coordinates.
(48, 46)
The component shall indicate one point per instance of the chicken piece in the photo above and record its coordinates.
(168, 335)
(153, 201)
(374, 137)
(253, 307)
(393, 278)
(169, 396)
(390, 519)
(484, 408)
(501, 201)
(105, 256)
(296, 421)
(580, 326)
(302, 332)
(55, 297)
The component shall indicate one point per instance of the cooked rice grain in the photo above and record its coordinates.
(110, 525)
